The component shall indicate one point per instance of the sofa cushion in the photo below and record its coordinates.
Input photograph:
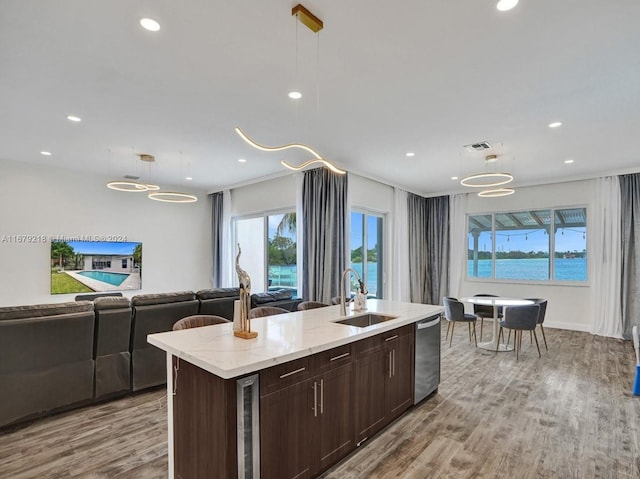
(40, 310)
(111, 302)
(270, 296)
(162, 298)
(218, 293)
(93, 296)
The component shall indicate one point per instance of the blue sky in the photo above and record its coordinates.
(572, 239)
(102, 247)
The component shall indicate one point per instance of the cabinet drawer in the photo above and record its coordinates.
(369, 345)
(332, 358)
(283, 375)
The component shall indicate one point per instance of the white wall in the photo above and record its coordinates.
(568, 305)
(49, 201)
(269, 195)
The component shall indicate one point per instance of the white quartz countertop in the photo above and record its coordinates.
(281, 338)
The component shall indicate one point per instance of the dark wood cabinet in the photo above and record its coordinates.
(285, 432)
(369, 391)
(399, 391)
(313, 411)
(306, 426)
(383, 380)
(333, 432)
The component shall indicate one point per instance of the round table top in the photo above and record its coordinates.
(497, 301)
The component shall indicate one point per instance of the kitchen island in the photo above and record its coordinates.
(291, 402)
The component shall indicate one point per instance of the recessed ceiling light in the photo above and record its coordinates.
(410, 154)
(45, 153)
(242, 160)
(504, 5)
(188, 178)
(150, 24)
(555, 124)
(454, 177)
(76, 119)
(295, 95)
(568, 161)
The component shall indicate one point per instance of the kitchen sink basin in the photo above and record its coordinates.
(364, 320)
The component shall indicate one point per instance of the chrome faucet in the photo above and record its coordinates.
(343, 307)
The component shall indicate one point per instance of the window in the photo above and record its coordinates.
(518, 245)
(124, 263)
(269, 250)
(367, 250)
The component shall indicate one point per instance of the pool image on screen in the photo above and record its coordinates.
(95, 266)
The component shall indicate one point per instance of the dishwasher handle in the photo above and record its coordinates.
(428, 323)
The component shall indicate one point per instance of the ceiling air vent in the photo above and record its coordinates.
(480, 146)
(131, 177)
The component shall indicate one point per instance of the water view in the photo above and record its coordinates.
(566, 269)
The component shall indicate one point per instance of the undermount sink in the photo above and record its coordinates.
(364, 320)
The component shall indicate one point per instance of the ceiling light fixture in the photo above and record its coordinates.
(307, 18)
(454, 177)
(568, 162)
(172, 197)
(555, 124)
(45, 153)
(410, 154)
(318, 158)
(295, 95)
(504, 5)
(73, 118)
(150, 24)
(307, 163)
(132, 186)
(487, 179)
(496, 193)
(241, 160)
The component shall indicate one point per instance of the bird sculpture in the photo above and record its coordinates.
(245, 292)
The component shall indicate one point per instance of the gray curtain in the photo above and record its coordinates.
(428, 248)
(630, 211)
(216, 238)
(324, 216)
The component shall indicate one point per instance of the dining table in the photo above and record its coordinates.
(496, 302)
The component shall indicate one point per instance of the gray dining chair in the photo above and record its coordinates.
(543, 310)
(263, 311)
(518, 319)
(453, 313)
(198, 320)
(305, 305)
(485, 311)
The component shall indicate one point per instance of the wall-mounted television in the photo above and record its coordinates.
(95, 266)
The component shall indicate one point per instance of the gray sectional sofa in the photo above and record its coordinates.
(155, 313)
(46, 359)
(59, 356)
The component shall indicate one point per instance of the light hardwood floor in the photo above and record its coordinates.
(570, 414)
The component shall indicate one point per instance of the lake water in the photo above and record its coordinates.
(286, 276)
(566, 269)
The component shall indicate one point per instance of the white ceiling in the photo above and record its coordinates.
(381, 79)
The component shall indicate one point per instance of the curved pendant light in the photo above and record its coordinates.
(131, 186)
(496, 193)
(485, 180)
(307, 163)
(318, 159)
(172, 197)
(246, 138)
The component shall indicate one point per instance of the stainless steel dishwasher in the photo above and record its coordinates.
(427, 357)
